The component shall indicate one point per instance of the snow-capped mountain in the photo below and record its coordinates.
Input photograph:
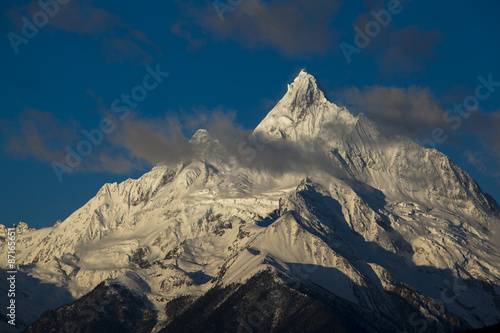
(380, 227)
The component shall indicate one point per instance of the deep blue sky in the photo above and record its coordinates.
(65, 78)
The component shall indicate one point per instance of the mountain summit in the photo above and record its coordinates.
(304, 91)
(385, 231)
(303, 112)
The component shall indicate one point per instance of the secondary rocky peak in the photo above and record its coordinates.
(204, 145)
(201, 136)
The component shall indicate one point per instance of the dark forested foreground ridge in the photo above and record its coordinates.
(265, 303)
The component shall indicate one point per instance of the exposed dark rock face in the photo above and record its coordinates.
(267, 302)
(107, 308)
(260, 305)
